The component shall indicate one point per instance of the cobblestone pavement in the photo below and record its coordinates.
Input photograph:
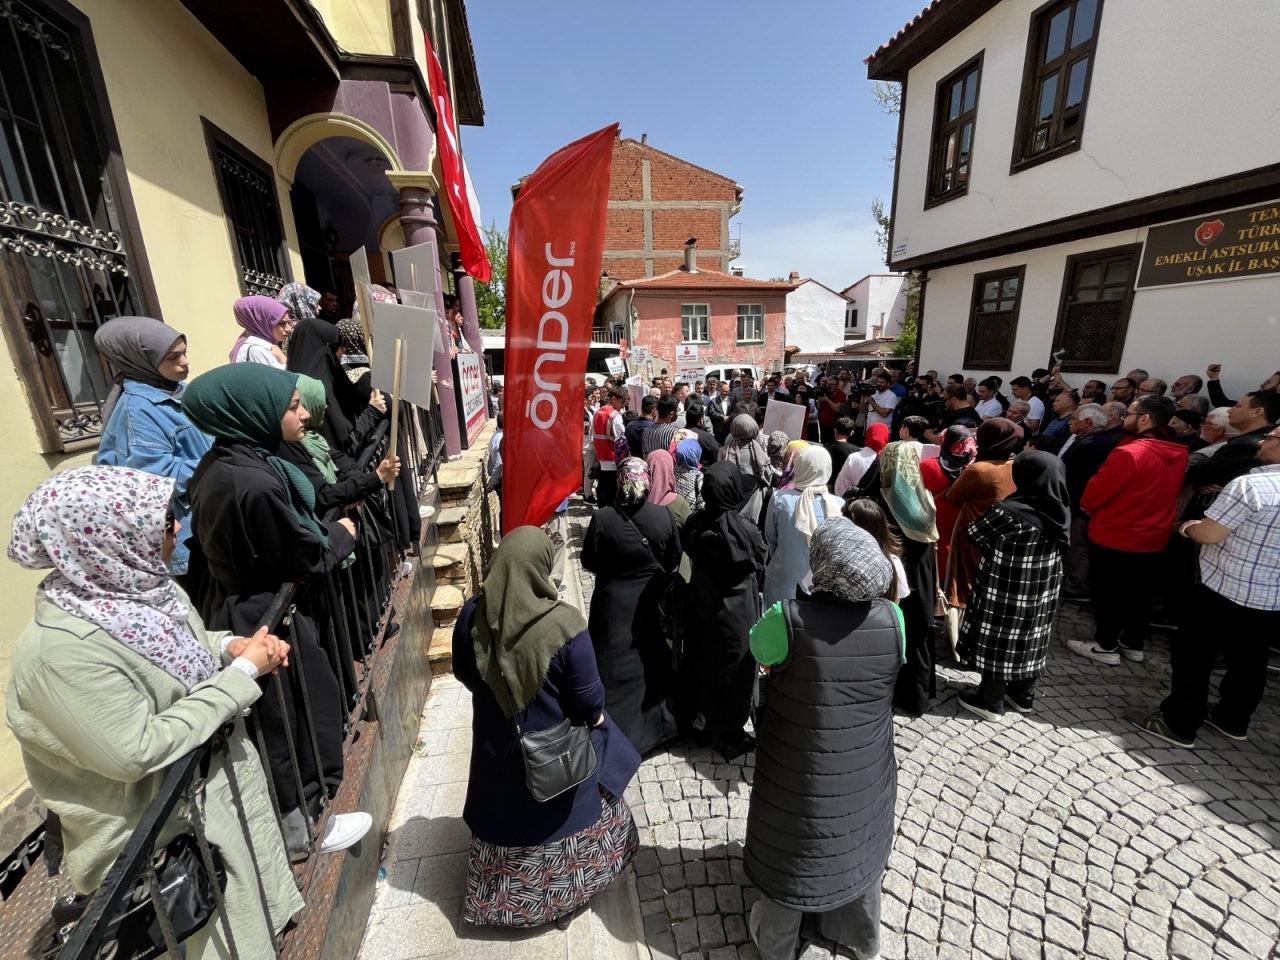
(1061, 834)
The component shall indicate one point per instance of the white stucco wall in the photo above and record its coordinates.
(815, 318)
(1172, 330)
(881, 302)
(1177, 97)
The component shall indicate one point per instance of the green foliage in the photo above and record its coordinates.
(908, 341)
(491, 297)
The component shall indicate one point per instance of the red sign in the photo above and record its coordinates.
(471, 247)
(1208, 231)
(555, 245)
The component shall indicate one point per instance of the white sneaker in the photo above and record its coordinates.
(426, 511)
(1087, 648)
(1134, 656)
(345, 830)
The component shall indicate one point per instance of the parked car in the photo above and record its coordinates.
(731, 371)
(495, 350)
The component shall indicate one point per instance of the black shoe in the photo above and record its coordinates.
(1153, 723)
(738, 747)
(970, 701)
(1230, 733)
(1021, 704)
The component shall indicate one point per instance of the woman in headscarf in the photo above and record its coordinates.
(300, 299)
(266, 324)
(116, 678)
(633, 547)
(527, 656)
(777, 446)
(987, 480)
(1006, 627)
(728, 557)
(144, 423)
(787, 480)
(664, 492)
(688, 472)
(355, 351)
(791, 518)
(351, 411)
(957, 448)
(910, 506)
(820, 824)
(857, 465)
(254, 528)
(748, 454)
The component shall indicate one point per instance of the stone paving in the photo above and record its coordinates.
(1061, 834)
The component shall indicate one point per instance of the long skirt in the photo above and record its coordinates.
(916, 684)
(530, 886)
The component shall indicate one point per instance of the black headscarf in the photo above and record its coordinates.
(1041, 499)
(718, 532)
(313, 351)
(999, 439)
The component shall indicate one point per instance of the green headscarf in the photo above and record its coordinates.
(243, 402)
(311, 393)
(520, 618)
(904, 491)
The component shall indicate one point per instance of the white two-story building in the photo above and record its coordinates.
(1096, 177)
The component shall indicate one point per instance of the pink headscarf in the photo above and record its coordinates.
(877, 436)
(662, 478)
(258, 316)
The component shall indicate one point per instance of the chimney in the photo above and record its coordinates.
(736, 271)
(691, 255)
(794, 277)
(644, 138)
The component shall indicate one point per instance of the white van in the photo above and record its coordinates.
(731, 372)
(495, 349)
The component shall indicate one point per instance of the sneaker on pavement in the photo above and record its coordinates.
(1241, 735)
(345, 830)
(1021, 705)
(1132, 655)
(1087, 648)
(1152, 722)
(969, 700)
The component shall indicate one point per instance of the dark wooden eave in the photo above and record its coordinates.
(934, 26)
(469, 103)
(273, 39)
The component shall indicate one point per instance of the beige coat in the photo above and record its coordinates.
(99, 724)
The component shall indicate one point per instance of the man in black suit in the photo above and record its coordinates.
(693, 421)
(720, 410)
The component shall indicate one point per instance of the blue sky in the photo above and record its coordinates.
(773, 95)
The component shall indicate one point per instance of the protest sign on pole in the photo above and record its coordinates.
(418, 330)
(555, 245)
(787, 417)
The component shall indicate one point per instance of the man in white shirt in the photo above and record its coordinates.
(880, 404)
(988, 403)
(1021, 387)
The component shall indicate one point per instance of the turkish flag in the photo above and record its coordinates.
(554, 249)
(470, 244)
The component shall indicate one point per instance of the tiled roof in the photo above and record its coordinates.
(700, 279)
(911, 25)
(926, 32)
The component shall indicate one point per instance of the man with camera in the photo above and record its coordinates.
(879, 404)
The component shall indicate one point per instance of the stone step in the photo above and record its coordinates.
(458, 478)
(446, 601)
(448, 555)
(451, 524)
(440, 653)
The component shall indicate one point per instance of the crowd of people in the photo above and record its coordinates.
(151, 633)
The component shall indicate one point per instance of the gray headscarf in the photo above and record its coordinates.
(300, 299)
(846, 561)
(134, 347)
(745, 449)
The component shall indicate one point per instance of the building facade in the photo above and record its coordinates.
(689, 318)
(166, 158)
(815, 317)
(877, 306)
(1072, 176)
(657, 201)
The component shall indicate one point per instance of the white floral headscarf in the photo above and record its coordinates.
(101, 530)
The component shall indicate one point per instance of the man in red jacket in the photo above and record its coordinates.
(1131, 502)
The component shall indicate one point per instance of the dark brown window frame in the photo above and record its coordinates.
(14, 321)
(975, 299)
(216, 138)
(1111, 365)
(1032, 75)
(932, 197)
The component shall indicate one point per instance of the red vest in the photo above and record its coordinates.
(601, 438)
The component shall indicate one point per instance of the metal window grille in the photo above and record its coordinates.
(993, 320)
(750, 322)
(694, 319)
(253, 217)
(66, 254)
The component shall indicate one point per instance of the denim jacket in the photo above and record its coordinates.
(148, 431)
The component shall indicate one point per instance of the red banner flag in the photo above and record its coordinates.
(555, 245)
(470, 245)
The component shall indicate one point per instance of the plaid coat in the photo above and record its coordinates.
(1006, 625)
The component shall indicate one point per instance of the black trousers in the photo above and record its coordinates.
(916, 684)
(1242, 635)
(991, 689)
(606, 488)
(1122, 584)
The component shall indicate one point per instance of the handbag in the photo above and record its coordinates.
(556, 759)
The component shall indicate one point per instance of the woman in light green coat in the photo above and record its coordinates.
(116, 678)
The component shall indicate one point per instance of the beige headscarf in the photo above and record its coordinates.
(812, 469)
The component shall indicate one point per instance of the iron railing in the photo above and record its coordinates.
(350, 631)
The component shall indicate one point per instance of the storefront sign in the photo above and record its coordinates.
(686, 351)
(1218, 246)
(469, 376)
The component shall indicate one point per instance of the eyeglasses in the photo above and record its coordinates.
(1271, 436)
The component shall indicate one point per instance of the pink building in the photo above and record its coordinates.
(689, 319)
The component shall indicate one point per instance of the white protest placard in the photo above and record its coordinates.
(471, 397)
(359, 263)
(616, 366)
(635, 396)
(787, 417)
(418, 329)
(416, 269)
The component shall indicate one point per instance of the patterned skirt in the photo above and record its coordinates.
(530, 886)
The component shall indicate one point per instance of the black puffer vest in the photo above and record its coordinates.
(820, 825)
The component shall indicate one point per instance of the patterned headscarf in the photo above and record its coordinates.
(904, 492)
(300, 299)
(957, 450)
(846, 561)
(258, 317)
(633, 482)
(662, 478)
(812, 465)
(777, 447)
(100, 529)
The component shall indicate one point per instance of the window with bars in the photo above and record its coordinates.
(68, 263)
(694, 322)
(851, 323)
(1055, 88)
(248, 190)
(955, 114)
(993, 319)
(750, 323)
(1097, 295)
